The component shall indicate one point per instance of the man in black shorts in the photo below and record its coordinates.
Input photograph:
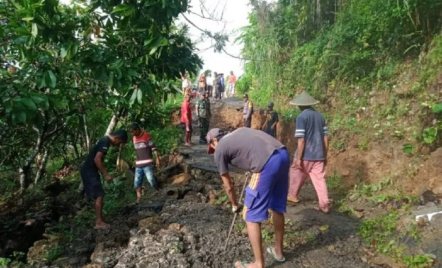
(91, 177)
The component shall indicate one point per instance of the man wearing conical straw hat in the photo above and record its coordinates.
(311, 154)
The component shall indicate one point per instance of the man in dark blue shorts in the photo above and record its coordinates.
(268, 160)
(91, 177)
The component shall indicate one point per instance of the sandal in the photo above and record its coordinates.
(103, 226)
(242, 264)
(293, 200)
(270, 251)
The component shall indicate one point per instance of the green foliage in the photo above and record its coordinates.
(74, 69)
(334, 181)
(53, 252)
(407, 148)
(367, 190)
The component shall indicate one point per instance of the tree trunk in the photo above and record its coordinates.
(42, 167)
(86, 133)
(112, 124)
(25, 170)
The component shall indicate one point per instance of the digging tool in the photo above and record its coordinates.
(236, 214)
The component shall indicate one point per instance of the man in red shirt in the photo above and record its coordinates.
(186, 119)
(145, 149)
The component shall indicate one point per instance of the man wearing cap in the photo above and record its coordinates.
(272, 120)
(91, 178)
(268, 160)
(247, 111)
(311, 155)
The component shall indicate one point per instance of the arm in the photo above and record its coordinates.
(196, 109)
(157, 156)
(228, 188)
(99, 162)
(301, 147)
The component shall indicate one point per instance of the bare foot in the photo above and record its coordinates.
(102, 226)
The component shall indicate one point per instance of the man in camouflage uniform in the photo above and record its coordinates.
(203, 113)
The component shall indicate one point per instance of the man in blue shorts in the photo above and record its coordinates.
(268, 160)
(91, 178)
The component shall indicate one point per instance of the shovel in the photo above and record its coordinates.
(236, 214)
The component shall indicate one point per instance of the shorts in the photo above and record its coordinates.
(189, 127)
(139, 175)
(268, 189)
(92, 183)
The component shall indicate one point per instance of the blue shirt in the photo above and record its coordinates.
(311, 126)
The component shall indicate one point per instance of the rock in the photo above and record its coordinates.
(359, 214)
(185, 230)
(331, 248)
(384, 260)
(174, 226)
(153, 224)
(421, 222)
(436, 221)
(428, 196)
(182, 179)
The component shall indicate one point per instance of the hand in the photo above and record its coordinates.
(108, 178)
(299, 163)
(158, 163)
(237, 209)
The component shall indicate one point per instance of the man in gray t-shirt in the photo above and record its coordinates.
(311, 155)
(268, 159)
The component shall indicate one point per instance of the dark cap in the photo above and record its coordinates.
(245, 95)
(270, 104)
(212, 134)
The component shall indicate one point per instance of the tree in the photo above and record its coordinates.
(72, 61)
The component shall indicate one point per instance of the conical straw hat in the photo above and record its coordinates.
(304, 99)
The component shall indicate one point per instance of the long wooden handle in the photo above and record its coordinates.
(234, 216)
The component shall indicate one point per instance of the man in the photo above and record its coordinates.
(223, 86)
(247, 111)
(185, 83)
(232, 82)
(202, 84)
(218, 86)
(144, 146)
(311, 155)
(272, 120)
(186, 119)
(91, 178)
(202, 110)
(210, 85)
(268, 160)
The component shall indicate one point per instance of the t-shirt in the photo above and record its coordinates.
(311, 126)
(209, 81)
(185, 109)
(203, 108)
(186, 83)
(102, 145)
(248, 109)
(246, 148)
(144, 147)
(272, 117)
(232, 79)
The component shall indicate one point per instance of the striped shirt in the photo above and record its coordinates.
(311, 126)
(144, 147)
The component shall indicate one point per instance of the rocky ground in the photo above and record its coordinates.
(185, 224)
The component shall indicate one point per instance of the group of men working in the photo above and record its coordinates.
(273, 181)
(215, 87)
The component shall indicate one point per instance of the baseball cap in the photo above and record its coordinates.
(213, 133)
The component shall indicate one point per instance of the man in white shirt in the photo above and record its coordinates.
(185, 82)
